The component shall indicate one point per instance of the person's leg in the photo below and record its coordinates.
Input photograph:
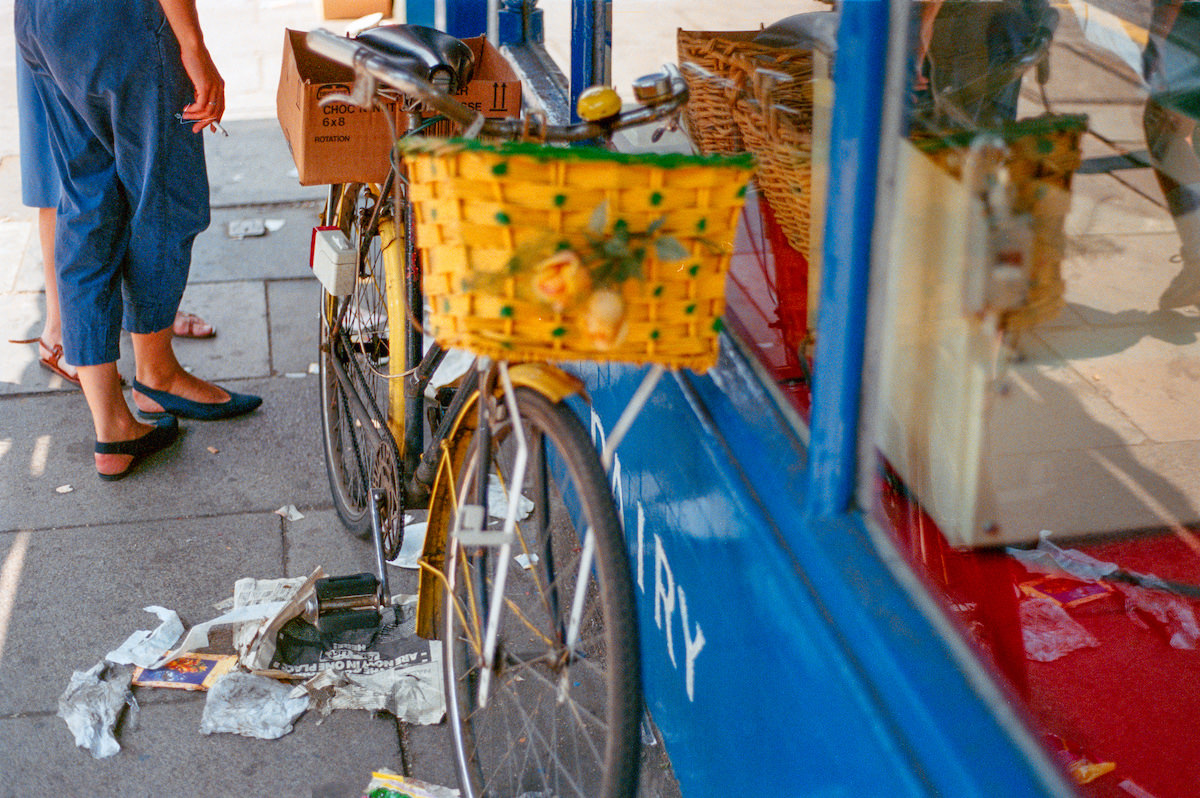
(110, 414)
(1170, 138)
(159, 369)
(52, 329)
(163, 171)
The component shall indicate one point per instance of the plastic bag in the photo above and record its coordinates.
(1049, 632)
(252, 706)
(91, 705)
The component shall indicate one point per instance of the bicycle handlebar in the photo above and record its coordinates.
(669, 94)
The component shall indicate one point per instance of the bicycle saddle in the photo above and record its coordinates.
(436, 56)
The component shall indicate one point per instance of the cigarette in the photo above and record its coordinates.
(216, 125)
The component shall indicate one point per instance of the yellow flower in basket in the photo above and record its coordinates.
(561, 280)
(604, 319)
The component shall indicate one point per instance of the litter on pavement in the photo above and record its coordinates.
(281, 666)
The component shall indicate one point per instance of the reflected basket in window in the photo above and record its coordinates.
(534, 252)
(774, 113)
(1043, 155)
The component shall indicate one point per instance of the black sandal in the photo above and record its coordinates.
(163, 435)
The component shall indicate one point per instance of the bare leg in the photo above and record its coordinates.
(110, 415)
(52, 330)
(158, 368)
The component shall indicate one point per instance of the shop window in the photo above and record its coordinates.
(1032, 383)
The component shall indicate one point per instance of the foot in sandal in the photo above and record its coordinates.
(51, 359)
(189, 325)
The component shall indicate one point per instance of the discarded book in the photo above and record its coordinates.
(188, 672)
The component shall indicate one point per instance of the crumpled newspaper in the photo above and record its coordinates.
(91, 705)
(145, 648)
(252, 706)
(414, 695)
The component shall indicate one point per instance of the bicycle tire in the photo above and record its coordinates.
(354, 461)
(525, 741)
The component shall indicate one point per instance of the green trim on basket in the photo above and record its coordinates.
(665, 160)
(1009, 131)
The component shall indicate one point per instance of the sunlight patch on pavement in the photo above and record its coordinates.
(10, 577)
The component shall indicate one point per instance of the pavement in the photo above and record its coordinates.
(80, 558)
(77, 568)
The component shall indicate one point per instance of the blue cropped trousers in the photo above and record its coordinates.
(134, 185)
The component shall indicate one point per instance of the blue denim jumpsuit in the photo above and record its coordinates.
(134, 184)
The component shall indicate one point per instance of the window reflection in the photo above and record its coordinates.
(1036, 423)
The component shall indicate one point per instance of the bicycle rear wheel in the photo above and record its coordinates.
(563, 698)
(355, 365)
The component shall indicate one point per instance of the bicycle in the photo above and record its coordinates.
(538, 620)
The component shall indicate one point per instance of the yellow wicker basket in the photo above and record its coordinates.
(1043, 154)
(496, 224)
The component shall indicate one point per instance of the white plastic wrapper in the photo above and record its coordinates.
(91, 705)
(1050, 559)
(1049, 632)
(252, 706)
(1173, 612)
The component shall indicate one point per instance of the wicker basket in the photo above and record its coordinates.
(717, 66)
(709, 63)
(774, 115)
(1043, 154)
(486, 212)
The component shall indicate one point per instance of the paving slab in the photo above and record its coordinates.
(167, 755)
(1117, 279)
(263, 460)
(1102, 206)
(20, 372)
(319, 539)
(292, 307)
(240, 349)
(1045, 404)
(253, 165)
(1152, 381)
(17, 273)
(279, 254)
(80, 592)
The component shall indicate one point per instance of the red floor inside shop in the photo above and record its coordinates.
(1133, 699)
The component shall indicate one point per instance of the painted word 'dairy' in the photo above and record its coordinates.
(668, 596)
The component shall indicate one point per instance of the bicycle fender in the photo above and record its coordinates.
(548, 380)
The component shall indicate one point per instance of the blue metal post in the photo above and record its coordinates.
(591, 46)
(849, 222)
(420, 12)
(466, 18)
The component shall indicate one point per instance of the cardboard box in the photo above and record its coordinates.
(341, 143)
(353, 9)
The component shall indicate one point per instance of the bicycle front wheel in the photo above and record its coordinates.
(550, 705)
(355, 361)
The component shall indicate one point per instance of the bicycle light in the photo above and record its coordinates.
(332, 260)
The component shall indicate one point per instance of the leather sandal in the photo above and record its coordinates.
(163, 435)
(50, 361)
